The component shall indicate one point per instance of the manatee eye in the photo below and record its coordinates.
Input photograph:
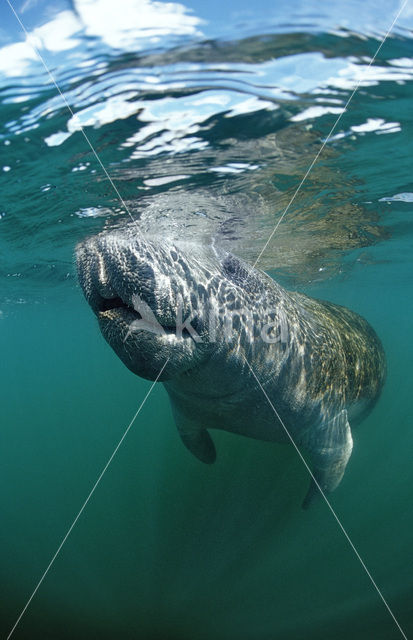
(234, 270)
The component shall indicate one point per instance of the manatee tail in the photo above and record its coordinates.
(330, 446)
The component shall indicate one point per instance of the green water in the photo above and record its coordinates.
(168, 548)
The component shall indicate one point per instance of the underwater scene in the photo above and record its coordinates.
(280, 133)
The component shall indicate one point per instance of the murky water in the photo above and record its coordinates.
(206, 120)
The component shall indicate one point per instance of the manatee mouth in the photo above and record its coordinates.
(109, 304)
(115, 308)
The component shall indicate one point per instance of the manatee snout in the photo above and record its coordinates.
(133, 289)
(110, 268)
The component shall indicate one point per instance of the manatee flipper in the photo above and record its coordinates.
(200, 444)
(197, 441)
(330, 446)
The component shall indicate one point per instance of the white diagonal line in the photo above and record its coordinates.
(160, 372)
(327, 502)
(252, 371)
(157, 378)
(329, 135)
(37, 52)
(86, 502)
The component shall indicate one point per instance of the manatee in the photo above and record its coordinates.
(216, 321)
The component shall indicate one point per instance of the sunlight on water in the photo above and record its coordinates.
(206, 119)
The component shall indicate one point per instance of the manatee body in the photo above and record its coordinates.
(212, 318)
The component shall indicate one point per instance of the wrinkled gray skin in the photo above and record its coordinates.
(323, 368)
